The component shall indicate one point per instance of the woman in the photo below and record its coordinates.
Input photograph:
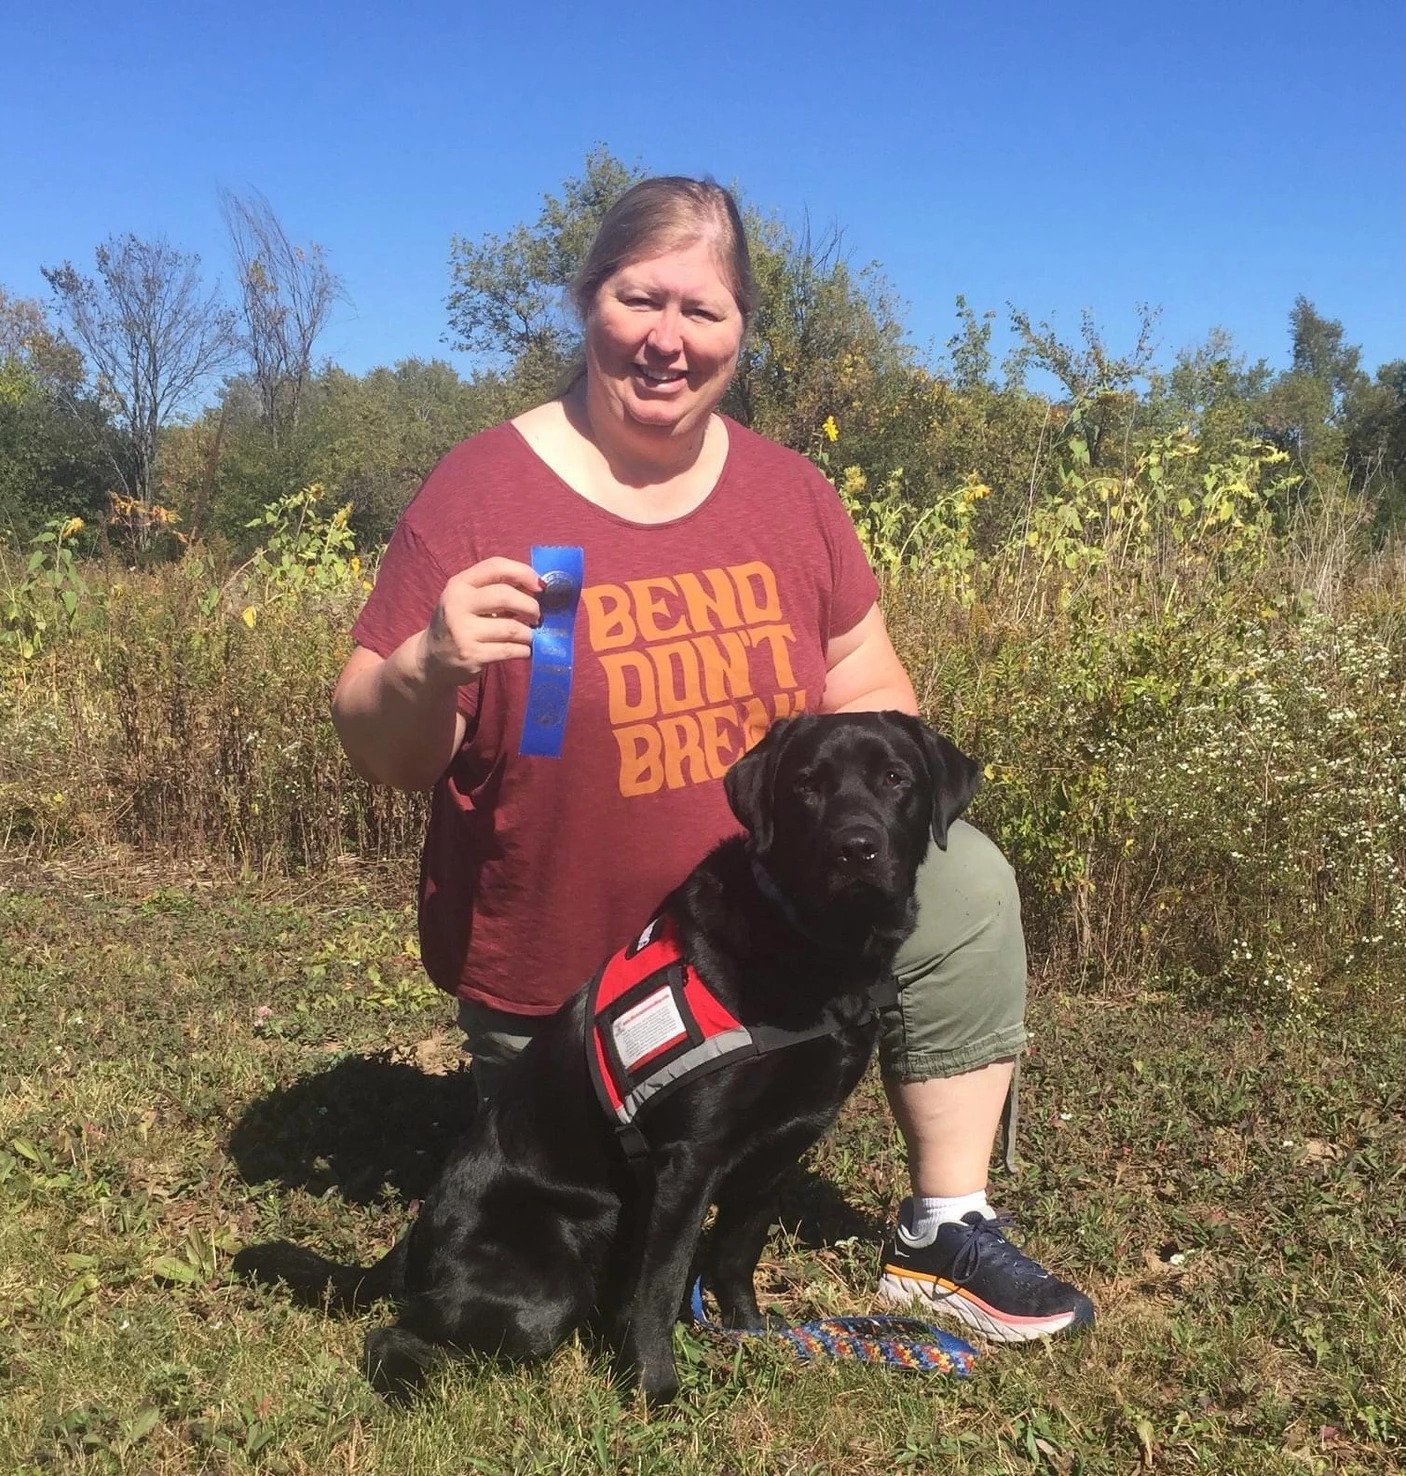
(724, 587)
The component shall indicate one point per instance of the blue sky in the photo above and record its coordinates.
(1213, 159)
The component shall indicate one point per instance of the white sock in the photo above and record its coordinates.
(926, 1213)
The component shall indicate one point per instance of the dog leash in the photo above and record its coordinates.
(896, 1342)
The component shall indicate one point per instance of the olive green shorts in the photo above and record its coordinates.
(961, 976)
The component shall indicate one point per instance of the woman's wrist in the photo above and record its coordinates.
(422, 670)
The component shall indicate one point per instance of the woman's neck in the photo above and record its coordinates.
(636, 456)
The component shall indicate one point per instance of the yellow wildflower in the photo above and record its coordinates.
(832, 431)
(74, 525)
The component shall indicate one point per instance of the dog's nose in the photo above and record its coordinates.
(859, 846)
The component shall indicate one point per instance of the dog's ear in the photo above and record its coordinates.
(748, 783)
(954, 775)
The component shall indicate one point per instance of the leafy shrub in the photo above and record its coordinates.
(1192, 713)
(40, 601)
(1209, 794)
(188, 711)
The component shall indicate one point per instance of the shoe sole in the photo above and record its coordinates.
(903, 1288)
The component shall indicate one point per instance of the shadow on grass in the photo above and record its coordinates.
(365, 1126)
(372, 1125)
(813, 1209)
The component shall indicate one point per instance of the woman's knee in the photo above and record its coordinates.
(494, 1040)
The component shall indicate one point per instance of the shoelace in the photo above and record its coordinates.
(984, 1240)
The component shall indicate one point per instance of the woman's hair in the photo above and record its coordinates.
(663, 214)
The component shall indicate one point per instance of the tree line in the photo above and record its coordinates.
(144, 401)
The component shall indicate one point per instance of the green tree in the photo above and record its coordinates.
(53, 439)
(1375, 434)
(825, 341)
(368, 440)
(969, 350)
(507, 295)
(1212, 389)
(1304, 409)
(1320, 352)
(1102, 386)
(375, 437)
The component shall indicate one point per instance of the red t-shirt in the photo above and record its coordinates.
(691, 637)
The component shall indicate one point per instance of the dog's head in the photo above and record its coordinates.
(843, 805)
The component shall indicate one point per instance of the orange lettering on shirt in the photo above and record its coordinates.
(722, 738)
(788, 704)
(775, 638)
(651, 604)
(641, 759)
(758, 597)
(755, 721)
(680, 676)
(608, 616)
(630, 686)
(683, 750)
(714, 608)
(725, 669)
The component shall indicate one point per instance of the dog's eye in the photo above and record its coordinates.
(893, 777)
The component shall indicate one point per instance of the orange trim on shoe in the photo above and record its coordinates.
(950, 1289)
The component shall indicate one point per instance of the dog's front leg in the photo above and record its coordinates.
(745, 1213)
(667, 1235)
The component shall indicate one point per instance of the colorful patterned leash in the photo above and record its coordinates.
(898, 1342)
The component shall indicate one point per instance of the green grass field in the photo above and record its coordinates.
(191, 1064)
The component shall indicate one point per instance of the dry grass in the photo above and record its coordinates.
(1230, 1189)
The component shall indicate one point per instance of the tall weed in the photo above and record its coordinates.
(222, 741)
(187, 710)
(1199, 785)
(1188, 688)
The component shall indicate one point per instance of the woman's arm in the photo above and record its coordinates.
(398, 715)
(397, 728)
(863, 672)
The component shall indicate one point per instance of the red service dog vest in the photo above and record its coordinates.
(655, 1024)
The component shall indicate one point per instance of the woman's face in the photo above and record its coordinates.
(662, 341)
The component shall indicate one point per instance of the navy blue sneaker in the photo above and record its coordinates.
(972, 1273)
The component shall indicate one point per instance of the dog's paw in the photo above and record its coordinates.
(752, 1321)
(396, 1363)
(659, 1388)
(655, 1378)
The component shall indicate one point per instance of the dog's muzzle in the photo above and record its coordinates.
(859, 848)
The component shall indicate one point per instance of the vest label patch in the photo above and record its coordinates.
(647, 1027)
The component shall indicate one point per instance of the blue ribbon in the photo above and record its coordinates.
(562, 570)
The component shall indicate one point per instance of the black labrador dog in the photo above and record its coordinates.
(542, 1222)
